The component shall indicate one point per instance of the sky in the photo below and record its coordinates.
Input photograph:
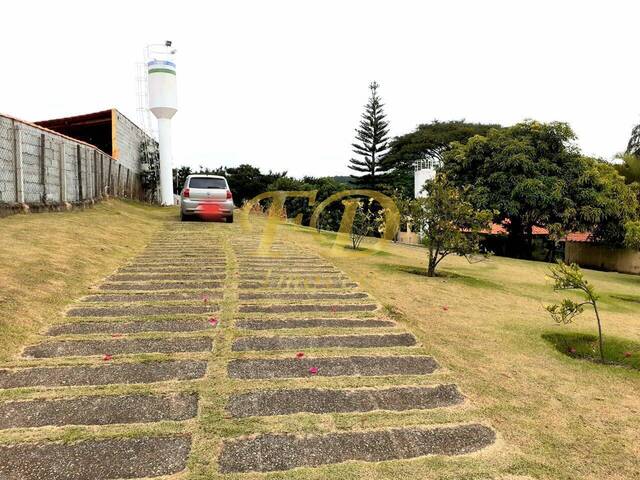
(281, 84)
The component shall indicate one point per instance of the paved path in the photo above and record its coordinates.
(202, 326)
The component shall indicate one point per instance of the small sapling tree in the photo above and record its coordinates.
(447, 222)
(364, 224)
(570, 277)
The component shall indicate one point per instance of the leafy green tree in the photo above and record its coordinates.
(570, 277)
(532, 174)
(632, 235)
(428, 141)
(630, 166)
(364, 222)
(604, 203)
(448, 222)
(325, 186)
(179, 177)
(371, 143)
(149, 156)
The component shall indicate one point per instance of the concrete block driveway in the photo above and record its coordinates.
(206, 357)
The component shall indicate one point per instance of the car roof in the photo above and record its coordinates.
(206, 176)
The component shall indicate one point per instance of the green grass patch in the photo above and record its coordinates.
(627, 298)
(617, 351)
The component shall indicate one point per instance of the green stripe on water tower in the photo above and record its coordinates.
(162, 70)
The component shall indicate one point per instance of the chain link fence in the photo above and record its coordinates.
(40, 167)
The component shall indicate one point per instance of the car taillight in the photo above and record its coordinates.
(229, 194)
(185, 193)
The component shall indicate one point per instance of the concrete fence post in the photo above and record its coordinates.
(101, 175)
(128, 186)
(43, 167)
(118, 181)
(17, 158)
(79, 162)
(110, 179)
(63, 173)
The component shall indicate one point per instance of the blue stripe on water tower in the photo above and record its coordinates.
(161, 62)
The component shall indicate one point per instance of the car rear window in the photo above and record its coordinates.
(204, 182)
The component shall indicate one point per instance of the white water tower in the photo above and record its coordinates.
(424, 169)
(163, 103)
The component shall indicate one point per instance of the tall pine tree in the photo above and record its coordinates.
(371, 143)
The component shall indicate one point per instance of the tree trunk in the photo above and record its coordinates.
(516, 245)
(431, 267)
(600, 342)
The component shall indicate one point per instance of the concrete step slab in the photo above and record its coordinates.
(83, 328)
(95, 459)
(114, 373)
(98, 410)
(313, 400)
(213, 295)
(142, 310)
(71, 348)
(273, 452)
(252, 324)
(157, 286)
(292, 285)
(136, 277)
(359, 366)
(323, 341)
(288, 308)
(302, 296)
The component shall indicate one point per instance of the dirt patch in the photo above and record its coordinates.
(140, 310)
(312, 323)
(129, 327)
(311, 400)
(92, 459)
(323, 341)
(126, 373)
(365, 307)
(137, 277)
(154, 297)
(132, 286)
(98, 410)
(71, 348)
(272, 452)
(302, 296)
(331, 367)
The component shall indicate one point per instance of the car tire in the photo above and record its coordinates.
(230, 219)
(183, 217)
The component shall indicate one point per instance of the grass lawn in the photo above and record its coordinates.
(557, 416)
(48, 260)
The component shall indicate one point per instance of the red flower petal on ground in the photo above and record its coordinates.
(313, 371)
(205, 299)
(213, 321)
(300, 354)
(571, 350)
(116, 335)
(627, 354)
(107, 357)
(445, 308)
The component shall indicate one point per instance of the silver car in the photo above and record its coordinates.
(207, 197)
